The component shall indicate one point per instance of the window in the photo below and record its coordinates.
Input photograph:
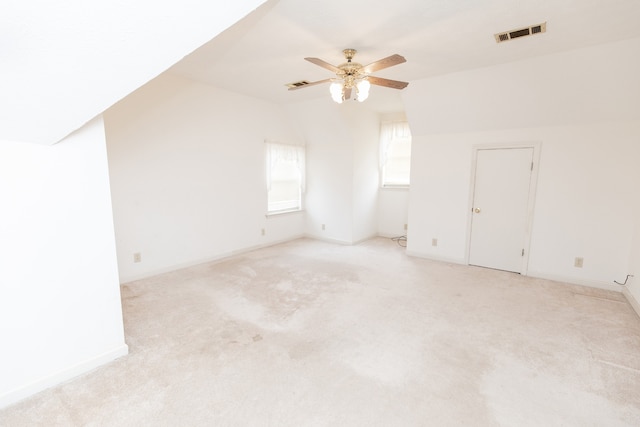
(395, 154)
(285, 177)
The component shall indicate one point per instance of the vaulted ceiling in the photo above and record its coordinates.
(263, 52)
(64, 63)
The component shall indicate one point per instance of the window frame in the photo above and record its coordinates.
(390, 132)
(296, 152)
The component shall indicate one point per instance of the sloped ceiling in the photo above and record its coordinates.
(258, 56)
(64, 62)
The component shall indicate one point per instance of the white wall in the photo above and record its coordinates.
(342, 168)
(582, 107)
(66, 62)
(393, 211)
(633, 284)
(188, 175)
(365, 134)
(329, 169)
(393, 203)
(588, 85)
(60, 311)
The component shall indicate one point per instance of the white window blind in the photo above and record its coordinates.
(395, 154)
(285, 177)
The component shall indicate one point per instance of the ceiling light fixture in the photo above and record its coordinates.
(353, 77)
(350, 76)
(340, 89)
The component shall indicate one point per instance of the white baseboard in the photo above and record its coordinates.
(632, 300)
(364, 239)
(34, 387)
(328, 240)
(340, 242)
(576, 281)
(392, 235)
(223, 255)
(436, 258)
(564, 279)
(217, 257)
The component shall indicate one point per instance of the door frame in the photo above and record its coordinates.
(533, 184)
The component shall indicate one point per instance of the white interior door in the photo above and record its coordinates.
(500, 208)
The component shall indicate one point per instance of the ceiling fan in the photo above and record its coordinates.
(351, 75)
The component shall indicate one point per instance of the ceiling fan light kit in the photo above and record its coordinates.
(352, 76)
(339, 90)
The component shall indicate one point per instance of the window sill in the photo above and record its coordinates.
(394, 187)
(280, 213)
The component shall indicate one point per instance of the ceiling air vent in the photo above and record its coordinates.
(521, 32)
(297, 84)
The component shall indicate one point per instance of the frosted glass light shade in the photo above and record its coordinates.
(363, 90)
(336, 92)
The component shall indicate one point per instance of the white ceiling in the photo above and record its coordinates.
(264, 51)
(62, 63)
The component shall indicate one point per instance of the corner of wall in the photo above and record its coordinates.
(27, 390)
(65, 224)
(632, 300)
(576, 281)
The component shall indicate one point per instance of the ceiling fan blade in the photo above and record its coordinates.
(389, 61)
(347, 93)
(395, 84)
(323, 64)
(310, 84)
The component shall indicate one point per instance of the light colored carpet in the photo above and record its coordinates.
(309, 333)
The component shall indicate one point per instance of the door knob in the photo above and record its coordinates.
(477, 210)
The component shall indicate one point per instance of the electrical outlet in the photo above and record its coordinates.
(137, 257)
(322, 227)
(434, 242)
(579, 261)
(263, 232)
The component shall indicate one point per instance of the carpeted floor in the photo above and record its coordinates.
(309, 333)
